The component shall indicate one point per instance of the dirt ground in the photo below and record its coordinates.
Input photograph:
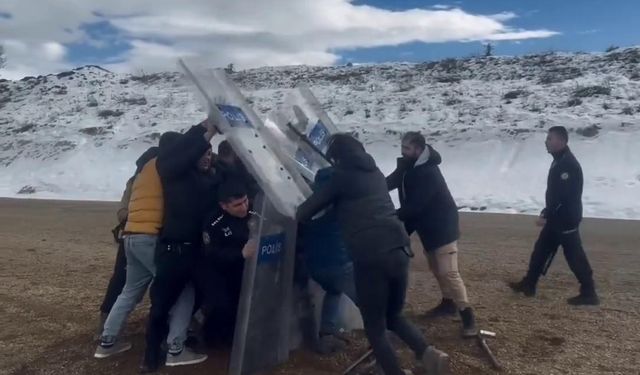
(56, 257)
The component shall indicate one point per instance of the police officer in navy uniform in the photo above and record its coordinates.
(226, 242)
(560, 222)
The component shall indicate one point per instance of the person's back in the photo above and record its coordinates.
(362, 202)
(183, 165)
(379, 249)
(187, 190)
(146, 205)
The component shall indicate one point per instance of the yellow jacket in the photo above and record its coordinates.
(146, 206)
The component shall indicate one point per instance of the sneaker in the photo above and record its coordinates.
(584, 300)
(523, 286)
(185, 357)
(435, 362)
(109, 346)
(446, 308)
(469, 329)
(330, 344)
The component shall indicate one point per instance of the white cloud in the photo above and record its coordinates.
(503, 16)
(32, 59)
(441, 6)
(248, 33)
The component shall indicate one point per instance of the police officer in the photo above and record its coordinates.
(226, 239)
(560, 221)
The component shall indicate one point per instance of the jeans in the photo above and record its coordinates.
(141, 269)
(116, 283)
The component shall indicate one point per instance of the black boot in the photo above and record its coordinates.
(468, 323)
(446, 308)
(587, 297)
(523, 286)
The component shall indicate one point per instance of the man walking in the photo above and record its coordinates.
(560, 222)
(427, 207)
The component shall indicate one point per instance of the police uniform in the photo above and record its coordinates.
(223, 237)
(563, 214)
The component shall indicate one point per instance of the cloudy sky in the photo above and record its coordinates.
(48, 36)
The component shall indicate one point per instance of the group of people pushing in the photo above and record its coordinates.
(185, 222)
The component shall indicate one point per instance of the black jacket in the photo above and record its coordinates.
(426, 205)
(223, 238)
(188, 193)
(563, 209)
(366, 214)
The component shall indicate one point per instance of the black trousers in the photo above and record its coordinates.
(381, 286)
(547, 244)
(116, 283)
(175, 267)
(221, 286)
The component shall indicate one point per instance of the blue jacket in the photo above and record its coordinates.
(321, 238)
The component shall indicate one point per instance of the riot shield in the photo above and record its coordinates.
(266, 319)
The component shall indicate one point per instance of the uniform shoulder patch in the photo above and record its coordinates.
(217, 220)
(564, 176)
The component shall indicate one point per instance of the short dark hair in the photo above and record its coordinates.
(415, 139)
(560, 131)
(225, 150)
(231, 189)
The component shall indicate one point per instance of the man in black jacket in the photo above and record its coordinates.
(379, 248)
(225, 237)
(427, 207)
(188, 189)
(560, 220)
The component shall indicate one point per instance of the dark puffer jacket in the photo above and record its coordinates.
(426, 205)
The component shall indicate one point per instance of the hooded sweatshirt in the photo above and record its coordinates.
(426, 205)
(358, 191)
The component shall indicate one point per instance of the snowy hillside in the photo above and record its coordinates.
(77, 134)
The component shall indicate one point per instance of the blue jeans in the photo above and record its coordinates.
(335, 281)
(141, 269)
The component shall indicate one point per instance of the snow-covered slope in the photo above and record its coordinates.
(77, 134)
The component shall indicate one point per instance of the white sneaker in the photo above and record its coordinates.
(107, 349)
(185, 357)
